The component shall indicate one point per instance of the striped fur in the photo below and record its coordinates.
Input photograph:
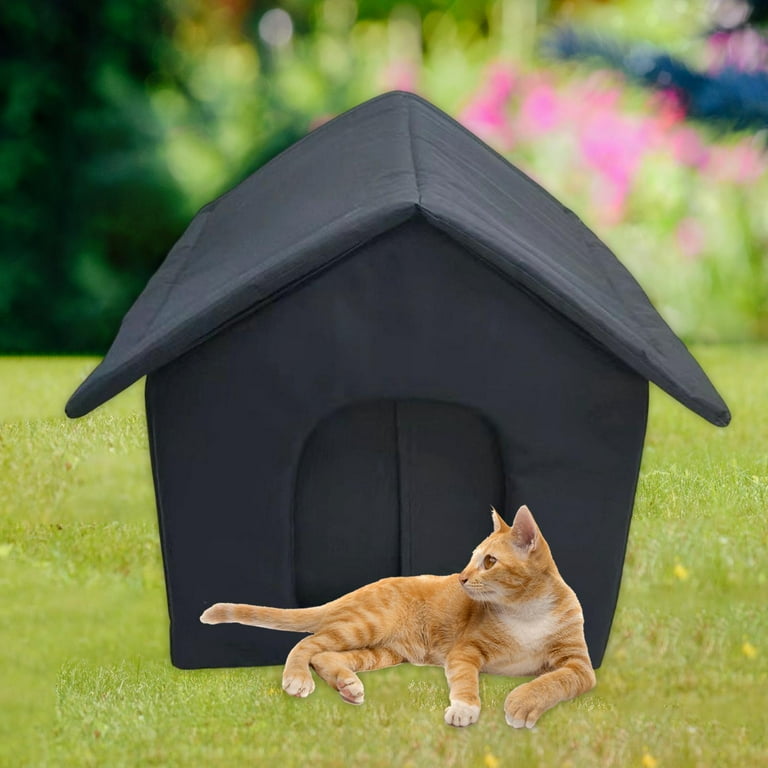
(509, 612)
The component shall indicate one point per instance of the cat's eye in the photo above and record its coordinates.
(488, 561)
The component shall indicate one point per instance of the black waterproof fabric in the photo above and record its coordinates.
(363, 426)
(391, 159)
(401, 473)
(357, 351)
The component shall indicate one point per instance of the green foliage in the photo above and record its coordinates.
(83, 646)
(122, 118)
(87, 208)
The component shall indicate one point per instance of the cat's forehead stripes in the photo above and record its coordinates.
(484, 548)
(477, 555)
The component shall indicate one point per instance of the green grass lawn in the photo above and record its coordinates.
(85, 676)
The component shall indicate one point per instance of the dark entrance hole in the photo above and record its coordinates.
(392, 487)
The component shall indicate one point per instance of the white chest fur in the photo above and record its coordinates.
(531, 624)
(528, 629)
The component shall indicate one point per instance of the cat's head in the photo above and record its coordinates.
(514, 562)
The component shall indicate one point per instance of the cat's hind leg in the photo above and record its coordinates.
(297, 676)
(338, 669)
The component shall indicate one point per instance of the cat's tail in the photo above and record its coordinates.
(292, 619)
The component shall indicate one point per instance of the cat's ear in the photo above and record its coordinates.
(498, 524)
(525, 532)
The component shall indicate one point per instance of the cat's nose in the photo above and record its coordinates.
(463, 579)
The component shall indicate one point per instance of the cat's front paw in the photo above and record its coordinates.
(460, 714)
(522, 709)
(298, 685)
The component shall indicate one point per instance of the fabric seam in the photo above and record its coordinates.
(413, 152)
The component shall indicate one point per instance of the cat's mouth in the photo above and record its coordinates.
(477, 591)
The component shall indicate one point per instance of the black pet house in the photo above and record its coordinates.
(358, 350)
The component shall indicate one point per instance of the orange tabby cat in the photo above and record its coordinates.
(509, 612)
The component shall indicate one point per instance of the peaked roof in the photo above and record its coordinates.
(353, 178)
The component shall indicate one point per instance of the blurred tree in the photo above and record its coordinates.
(87, 207)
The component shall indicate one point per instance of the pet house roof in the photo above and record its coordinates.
(361, 174)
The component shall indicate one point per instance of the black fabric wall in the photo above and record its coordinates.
(411, 316)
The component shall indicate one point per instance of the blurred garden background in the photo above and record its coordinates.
(121, 118)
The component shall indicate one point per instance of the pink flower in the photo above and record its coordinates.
(486, 113)
(483, 116)
(598, 92)
(688, 148)
(540, 111)
(501, 81)
(745, 49)
(740, 163)
(614, 146)
(609, 199)
(668, 106)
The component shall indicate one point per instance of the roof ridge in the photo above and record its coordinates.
(412, 149)
(313, 133)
